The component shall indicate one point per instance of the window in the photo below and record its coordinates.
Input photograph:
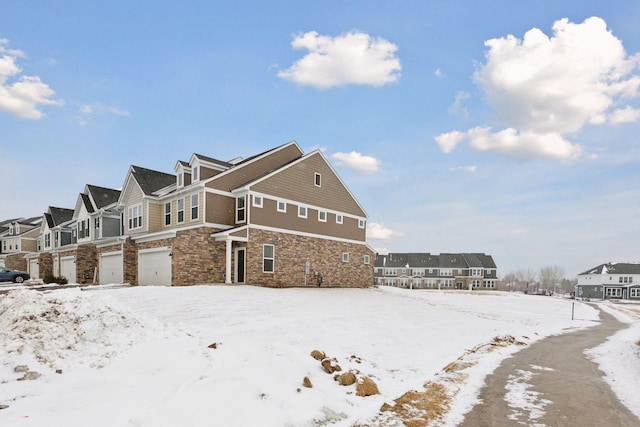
(240, 209)
(476, 272)
(135, 216)
(195, 201)
(282, 206)
(367, 259)
(322, 216)
(361, 223)
(96, 223)
(268, 258)
(180, 210)
(180, 179)
(345, 257)
(446, 272)
(634, 292)
(195, 173)
(257, 201)
(339, 219)
(614, 292)
(47, 240)
(318, 180)
(167, 213)
(302, 211)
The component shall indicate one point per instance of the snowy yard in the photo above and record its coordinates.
(237, 356)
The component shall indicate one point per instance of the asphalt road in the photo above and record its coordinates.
(552, 383)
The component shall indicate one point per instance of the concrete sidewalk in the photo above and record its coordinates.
(553, 383)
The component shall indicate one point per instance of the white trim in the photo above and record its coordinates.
(325, 215)
(304, 234)
(306, 211)
(151, 250)
(108, 254)
(168, 234)
(317, 179)
(254, 203)
(278, 201)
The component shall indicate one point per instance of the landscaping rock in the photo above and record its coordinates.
(307, 382)
(21, 368)
(318, 355)
(348, 378)
(366, 387)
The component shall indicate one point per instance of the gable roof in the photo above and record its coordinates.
(427, 260)
(614, 268)
(102, 196)
(57, 216)
(213, 161)
(87, 202)
(151, 181)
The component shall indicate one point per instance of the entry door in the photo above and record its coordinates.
(240, 265)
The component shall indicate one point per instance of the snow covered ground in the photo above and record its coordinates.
(237, 356)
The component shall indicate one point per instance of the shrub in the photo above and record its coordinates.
(50, 278)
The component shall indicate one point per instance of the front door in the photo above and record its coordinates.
(240, 264)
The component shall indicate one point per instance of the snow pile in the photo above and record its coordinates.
(67, 327)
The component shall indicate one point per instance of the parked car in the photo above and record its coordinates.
(15, 276)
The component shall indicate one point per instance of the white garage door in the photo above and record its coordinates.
(111, 270)
(68, 268)
(34, 269)
(1, 262)
(154, 267)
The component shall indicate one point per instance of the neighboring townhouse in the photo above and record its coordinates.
(56, 232)
(19, 238)
(610, 280)
(427, 271)
(279, 218)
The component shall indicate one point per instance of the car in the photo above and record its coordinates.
(15, 276)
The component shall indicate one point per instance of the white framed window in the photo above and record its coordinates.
(167, 213)
(195, 207)
(317, 180)
(241, 209)
(634, 293)
(257, 201)
(339, 219)
(268, 258)
(345, 257)
(195, 174)
(180, 211)
(47, 240)
(446, 272)
(322, 216)
(367, 259)
(614, 292)
(282, 206)
(135, 216)
(302, 211)
(361, 223)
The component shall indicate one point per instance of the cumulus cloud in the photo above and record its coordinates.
(545, 88)
(21, 95)
(352, 58)
(457, 106)
(470, 169)
(377, 231)
(357, 162)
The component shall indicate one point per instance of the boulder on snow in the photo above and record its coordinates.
(21, 368)
(330, 366)
(318, 355)
(307, 382)
(366, 387)
(348, 378)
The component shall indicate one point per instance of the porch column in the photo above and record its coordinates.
(227, 278)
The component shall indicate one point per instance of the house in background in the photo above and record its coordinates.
(279, 218)
(610, 280)
(56, 232)
(445, 271)
(18, 237)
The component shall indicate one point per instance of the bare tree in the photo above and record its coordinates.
(551, 277)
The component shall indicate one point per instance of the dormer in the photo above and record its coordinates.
(203, 167)
(183, 174)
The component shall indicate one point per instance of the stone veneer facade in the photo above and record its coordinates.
(197, 258)
(15, 262)
(293, 251)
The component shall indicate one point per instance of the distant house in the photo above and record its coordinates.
(611, 280)
(18, 237)
(427, 271)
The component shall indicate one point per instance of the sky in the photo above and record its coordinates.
(507, 128)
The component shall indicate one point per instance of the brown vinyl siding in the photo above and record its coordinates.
(298, 183)
(256, 168)
(269, 216)
(220, 209)
(155, 216)
(206, 173)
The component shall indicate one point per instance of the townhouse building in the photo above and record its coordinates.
(428, 271)
(610, 281)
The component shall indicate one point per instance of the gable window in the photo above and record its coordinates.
(282, 206)
(195, 201)
(302, 211)
(367, 259)
(339, 219)
(195, 173)
(322, 216)
(180, 210)
(167, 213)
(345, 257)
(268, 258)
(240, 209)
(47, 240)
(361, 223)
(318, 180)
(135, 216)
(257, 201)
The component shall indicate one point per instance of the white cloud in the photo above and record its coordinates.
(352, 58)
(377, 231)
(544, 88)
(438, 73)
(448, 141)
(457, 107)
(87, 112)
(470, 169)
(357, 162)
(21, 95)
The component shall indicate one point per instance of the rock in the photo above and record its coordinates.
(307, 382)
(21, 368)
(213, 346)
(318, 355)
(348, 378)
(366, 387)
(3, 407)
(30, 376)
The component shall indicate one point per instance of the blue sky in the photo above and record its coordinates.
(509, 128)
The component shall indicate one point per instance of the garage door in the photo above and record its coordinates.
(34, 269)
(110, 269)
(68, 268)
(154, 267)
